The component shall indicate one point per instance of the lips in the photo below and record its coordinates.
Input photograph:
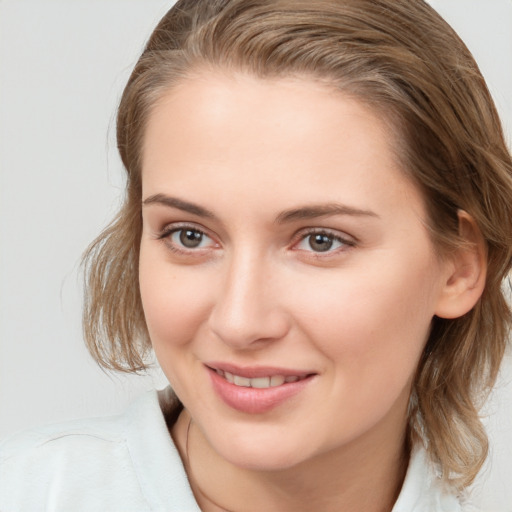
(269, 381)
(256, 390)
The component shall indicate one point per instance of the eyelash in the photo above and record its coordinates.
(166, 236)
(345, 243)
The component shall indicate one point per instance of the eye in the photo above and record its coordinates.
(186, 238)
(322, 242)
(189, 238)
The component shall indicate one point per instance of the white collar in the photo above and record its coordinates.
(422, 490)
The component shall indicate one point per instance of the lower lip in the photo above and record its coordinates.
(255, 400)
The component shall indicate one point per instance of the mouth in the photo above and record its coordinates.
(259, 389)
(268, 381)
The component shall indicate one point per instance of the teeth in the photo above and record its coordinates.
(257, 382)
(260, 382)
(277, 380)
(242, 381)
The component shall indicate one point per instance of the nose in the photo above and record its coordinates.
(248, 311)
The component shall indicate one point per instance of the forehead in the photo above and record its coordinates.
(298, 135)
(228, 102)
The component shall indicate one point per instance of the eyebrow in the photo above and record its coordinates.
(294, 214)
(174, 202)
(321, 210)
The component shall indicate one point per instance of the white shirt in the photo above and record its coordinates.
(130, 463)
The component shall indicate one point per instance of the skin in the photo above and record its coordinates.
(256, 292)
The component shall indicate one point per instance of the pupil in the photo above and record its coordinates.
(190, 238)
(320, 243)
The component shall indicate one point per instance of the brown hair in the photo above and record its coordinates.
(401, 58)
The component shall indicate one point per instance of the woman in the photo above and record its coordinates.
(315, 232)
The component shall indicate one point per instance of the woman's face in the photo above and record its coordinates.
(286, 272)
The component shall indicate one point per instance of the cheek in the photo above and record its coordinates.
(371, 323)
(175, 303)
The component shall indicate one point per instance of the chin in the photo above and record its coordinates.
(258, 453)
(256, 460)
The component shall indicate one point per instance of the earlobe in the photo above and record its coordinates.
(467, 271)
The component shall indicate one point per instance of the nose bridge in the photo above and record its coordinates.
(247, 309)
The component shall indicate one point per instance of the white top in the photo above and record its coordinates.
(130, 463)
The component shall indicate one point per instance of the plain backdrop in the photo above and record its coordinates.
(63, 64)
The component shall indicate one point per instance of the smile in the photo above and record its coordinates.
(270, 381)
(256, 390)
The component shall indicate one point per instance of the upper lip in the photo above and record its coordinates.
(252, 372)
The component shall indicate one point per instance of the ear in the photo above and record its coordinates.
(466, 271)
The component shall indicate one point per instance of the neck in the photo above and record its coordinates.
(367, 475)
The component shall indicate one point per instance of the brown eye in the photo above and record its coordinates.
(320, 242)
(187, 239)
(190, 238)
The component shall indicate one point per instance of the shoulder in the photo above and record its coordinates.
(55, 438)
(52, 466)
(94, 464)
(424, 491)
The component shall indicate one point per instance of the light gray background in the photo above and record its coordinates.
(63, 64)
